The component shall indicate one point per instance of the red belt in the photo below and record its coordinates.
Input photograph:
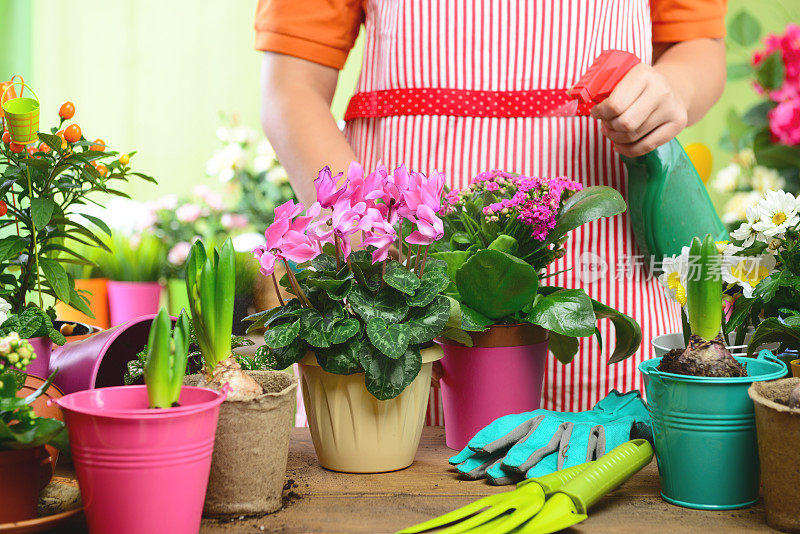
(463, 103)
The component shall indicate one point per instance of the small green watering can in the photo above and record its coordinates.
(667, 201)
(22, 115)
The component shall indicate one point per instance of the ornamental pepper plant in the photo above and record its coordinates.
(356, 307)
(501, 233)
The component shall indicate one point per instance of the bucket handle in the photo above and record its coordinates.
(23, 86)
(768, 356)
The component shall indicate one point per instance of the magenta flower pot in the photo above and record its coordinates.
(141, 470)
(129, 300)
(100, 360)
(40, 366)
(500, 375)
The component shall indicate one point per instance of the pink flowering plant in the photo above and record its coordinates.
(501, 232)
(357, 307)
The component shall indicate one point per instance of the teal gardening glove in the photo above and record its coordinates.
(540, 442)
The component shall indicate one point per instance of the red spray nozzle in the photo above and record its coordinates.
(603, 76)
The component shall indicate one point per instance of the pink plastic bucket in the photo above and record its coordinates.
(129, 300)
(100, 360)
(481, 383)
(141, 470)
(43, 348)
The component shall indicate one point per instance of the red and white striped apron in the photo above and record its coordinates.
(506, 46)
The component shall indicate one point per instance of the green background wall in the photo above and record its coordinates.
(153, 75)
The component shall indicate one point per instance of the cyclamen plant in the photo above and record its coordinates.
(358, 310)
(502, 232)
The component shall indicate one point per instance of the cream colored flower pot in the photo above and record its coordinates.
(353, 431)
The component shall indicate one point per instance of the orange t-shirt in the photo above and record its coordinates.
(323, 31)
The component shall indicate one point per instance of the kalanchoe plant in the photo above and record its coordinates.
(359, 310)
(210, 280)
(167, 355)
(20, 428)
(502, 231)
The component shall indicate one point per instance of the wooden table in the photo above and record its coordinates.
(317, 500)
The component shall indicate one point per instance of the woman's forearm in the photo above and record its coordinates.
(696, 71)
(295, 113)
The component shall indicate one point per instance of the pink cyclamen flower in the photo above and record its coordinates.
(286, 237)
(784, 122)
(231, 221)
(327, 186)
(424, 190)
(381, 236)
(188, 213)
(428, 229)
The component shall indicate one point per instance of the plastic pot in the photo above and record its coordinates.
(100, 360)
(139, 469)
(96, 291)
(43, 407)
(778, 435)
(251, 448)
(705, 434)
(796, 368)
(40, 366)
(478, 384)
(354, 432)
(23, 474)
(129, 300)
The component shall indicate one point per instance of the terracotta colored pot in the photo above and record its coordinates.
(43, 408)
(23, 474)
(354, 432)
(477, 386)
(100, 360)
(96, 291)
(129, 300)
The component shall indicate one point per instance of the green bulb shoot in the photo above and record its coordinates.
(167, 355)
(704, 288)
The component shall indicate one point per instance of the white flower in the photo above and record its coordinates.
(747, 271)
(727, 179)
(178, 254)
(122, 215)
(167, 202)
(746, 157)
(736, 208)
(226, 161)
(278, 176)
(766, 179)
(247, 242)
(5, 307)
(243, 135)
(777, 212)
(673, 277)
(746, 233)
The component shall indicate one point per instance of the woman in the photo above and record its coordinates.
(430, 71)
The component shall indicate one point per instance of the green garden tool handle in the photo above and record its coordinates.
(607, 473)
(555, 480)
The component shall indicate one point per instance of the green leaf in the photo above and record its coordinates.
(42, 211)
(432, 284)
(311, 328)
(53, 141)
(282, 357)
(343, 330)
(292, 309)
(474, 321)
(426, 323)
(458, 335)
(323, 263)
(11, 246)
(496, 284)
(343, 359)
(401, 278)
(627, 332)
(772, 330)
(744, 29)
(564, 348)
(770, 73)
(388, 304)
(281, 335)
(737, 71)
(453, 259)
(567, 311)
(78, 302)
(390, 339)
(56, 276)
(337, 286)
(588, 204)
(97, 222)
(385, 377)
(504, 243)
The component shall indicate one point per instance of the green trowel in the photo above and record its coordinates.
(667, 201)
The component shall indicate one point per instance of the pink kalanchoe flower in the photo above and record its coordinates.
(327, 186)
(429, 227)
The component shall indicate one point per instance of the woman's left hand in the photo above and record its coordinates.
(642, 113)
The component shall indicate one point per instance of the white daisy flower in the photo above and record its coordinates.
(736, 208)
(765, 179)
(727, 179)
(777, 212)
(675, 270)
(746, 232)
(747, 271)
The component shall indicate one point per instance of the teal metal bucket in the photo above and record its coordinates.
(704, 431)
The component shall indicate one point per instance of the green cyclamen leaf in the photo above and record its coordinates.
(311, 328)
(281, 335)
(282, 357)
(388, 304)
(342, 359)
(390, 339)
(401, 278)
(385, 377)
(427, 323)
(433, 282)
(343, 330)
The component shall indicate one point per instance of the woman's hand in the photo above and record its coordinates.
(642, 113)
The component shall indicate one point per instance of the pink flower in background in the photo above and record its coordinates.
(188, 213)
(167, 202)
(177, 255)
(429, 227)
(232, 221)
(211, 198)
(328, 190)
(784, 122)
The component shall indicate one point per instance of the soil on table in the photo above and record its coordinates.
(702, 358)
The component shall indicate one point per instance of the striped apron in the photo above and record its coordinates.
(459, 86)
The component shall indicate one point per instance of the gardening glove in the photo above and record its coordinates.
(542, 441)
